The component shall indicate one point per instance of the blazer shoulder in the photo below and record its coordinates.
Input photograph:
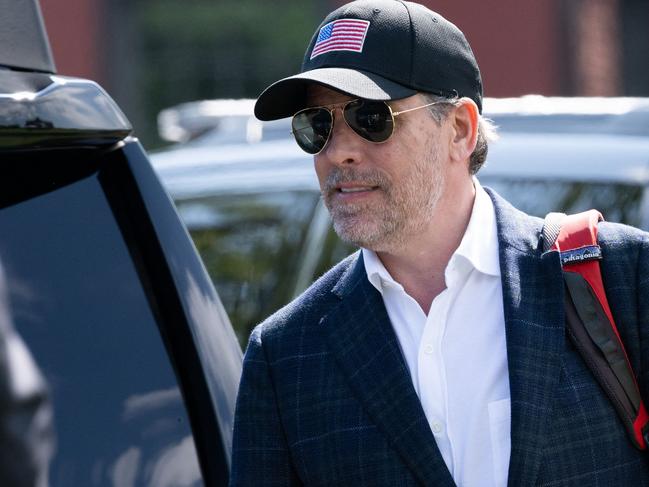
(610, 233)
(622, 242)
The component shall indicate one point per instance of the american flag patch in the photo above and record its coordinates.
(341, 35)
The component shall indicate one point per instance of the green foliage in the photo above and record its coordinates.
(281, 23)
(199, 49)
(264, 40)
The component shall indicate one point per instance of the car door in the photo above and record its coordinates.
(120, 367)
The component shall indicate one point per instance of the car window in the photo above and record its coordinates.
(251, 245)
(77, 302)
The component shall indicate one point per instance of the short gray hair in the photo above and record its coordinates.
(486, 128)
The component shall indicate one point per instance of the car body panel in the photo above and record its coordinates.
(105, 292)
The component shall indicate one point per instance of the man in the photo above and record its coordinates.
(436, 355)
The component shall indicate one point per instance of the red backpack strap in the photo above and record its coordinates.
(590, 324)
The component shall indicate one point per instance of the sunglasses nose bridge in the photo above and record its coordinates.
(344, 114)
(340, 109)
(343, 143)
(337, 111)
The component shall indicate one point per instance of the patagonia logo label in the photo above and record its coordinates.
(582, 254)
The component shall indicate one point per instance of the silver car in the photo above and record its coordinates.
(250, 199)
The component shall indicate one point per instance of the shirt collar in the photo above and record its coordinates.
(377, 274)
(479, 245)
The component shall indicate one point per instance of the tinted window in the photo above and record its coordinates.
(78, 304)
(260, 249)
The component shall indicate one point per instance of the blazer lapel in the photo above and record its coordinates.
(366, 348)
(534, 324)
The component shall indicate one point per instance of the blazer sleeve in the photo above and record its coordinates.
(260, 455)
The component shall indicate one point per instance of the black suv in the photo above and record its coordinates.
(118, 364)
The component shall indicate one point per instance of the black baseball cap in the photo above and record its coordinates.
(379, 50)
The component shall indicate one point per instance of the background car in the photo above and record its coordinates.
(250, 199)
(108, 317)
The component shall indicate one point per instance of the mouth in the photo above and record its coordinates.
(356, 190)
(352, 193)
(354, 187)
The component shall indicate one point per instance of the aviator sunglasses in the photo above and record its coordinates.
(372, 120)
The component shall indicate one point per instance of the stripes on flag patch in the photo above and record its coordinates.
(341, 35)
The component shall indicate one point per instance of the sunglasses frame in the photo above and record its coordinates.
(343, 106)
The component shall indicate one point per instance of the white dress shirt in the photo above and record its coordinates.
(457, 355)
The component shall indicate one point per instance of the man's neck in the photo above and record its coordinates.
(419, 264)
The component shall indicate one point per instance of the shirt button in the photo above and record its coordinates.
(428, 349)
(437, 427)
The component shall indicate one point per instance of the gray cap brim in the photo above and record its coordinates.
(287, 96)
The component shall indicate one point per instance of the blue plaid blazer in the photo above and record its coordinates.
(326, 398)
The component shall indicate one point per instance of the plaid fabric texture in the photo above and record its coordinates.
(326, 399)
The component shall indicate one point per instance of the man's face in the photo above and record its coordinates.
(381, 195)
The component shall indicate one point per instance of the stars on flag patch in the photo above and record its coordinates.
(341, 35)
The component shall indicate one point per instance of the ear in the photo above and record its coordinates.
(464, 124)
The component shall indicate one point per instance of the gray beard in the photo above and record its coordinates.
(403, 213)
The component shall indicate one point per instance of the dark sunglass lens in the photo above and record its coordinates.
(311, 128)
(371, 120)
